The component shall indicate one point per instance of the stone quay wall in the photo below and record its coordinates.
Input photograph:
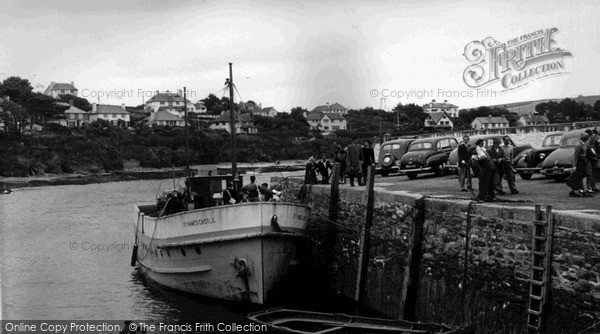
(475, 263)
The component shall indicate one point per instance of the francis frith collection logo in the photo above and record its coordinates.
(514, 63)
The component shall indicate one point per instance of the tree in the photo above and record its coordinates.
(297, 113)
(43, 107)
(19, 90)
(14, 117)
(79, 102)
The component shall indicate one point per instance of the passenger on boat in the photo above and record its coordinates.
(250, 191)
(230, 195)
(266, 194)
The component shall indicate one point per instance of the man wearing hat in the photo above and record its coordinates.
(499, 159)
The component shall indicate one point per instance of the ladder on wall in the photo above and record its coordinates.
(541, 273)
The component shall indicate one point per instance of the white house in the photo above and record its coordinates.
(266, 112)
(76, 117)
(200, 107)
(489, 122)
(438, 120)
(326, 122)
(335, 108)
(115, 115)
(55, 89)
(171, 102)
(446, 107)
(532, 119)
(243, 123)
(163, 117)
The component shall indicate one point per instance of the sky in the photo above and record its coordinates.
(290, 53)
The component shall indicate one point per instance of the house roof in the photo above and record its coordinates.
(268, 109)
(162, 115)
(437, 116)
(491, 119)
(74, 110)
(200, 105)
(535, 118)
(224, 117)
(314, 116)
(325, 108)
(442, 105)
(334, 116)
(59, 86)
(177, 108)
(109, 109)
(166, 97)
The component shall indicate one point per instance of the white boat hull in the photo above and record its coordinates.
(234, 252)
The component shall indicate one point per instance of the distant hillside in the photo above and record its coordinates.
(528, 107)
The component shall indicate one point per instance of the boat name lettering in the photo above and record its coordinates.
(203, 221)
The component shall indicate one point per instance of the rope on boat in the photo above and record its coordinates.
(160, 215)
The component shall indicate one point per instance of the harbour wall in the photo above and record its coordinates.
(476, 258)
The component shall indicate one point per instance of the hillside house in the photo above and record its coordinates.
(450, 109)
(243, 123)
(170, 102)
(115, 115)
(164, 118)
(532, 119)
(489, 122)
(56, 89)
(335, 108)
(266, 112)
(326, 122)
(438, 120)
(76, 117)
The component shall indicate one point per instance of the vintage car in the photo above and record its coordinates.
(559, 164)
(428, 155)
(529, 161)
(488, 140)
(390, 154)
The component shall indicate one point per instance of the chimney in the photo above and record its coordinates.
(490, 115)
(72, 84)
(432, 101)
(445, 101)
(71, 102)
(123, 106)
(94, 107)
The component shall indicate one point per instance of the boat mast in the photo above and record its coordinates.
(232, 127)
(187, 154)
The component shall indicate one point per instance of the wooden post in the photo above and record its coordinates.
(410, 286)
(365, 239)
(335, 192)
(331, 231)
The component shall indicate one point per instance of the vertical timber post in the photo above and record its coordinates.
(365, 239)
(331, 232)
(410, 286)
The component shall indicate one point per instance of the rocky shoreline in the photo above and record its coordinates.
(7, 184)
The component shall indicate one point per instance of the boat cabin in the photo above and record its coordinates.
(199, 192)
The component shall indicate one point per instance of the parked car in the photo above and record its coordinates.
(559, 164)
(428, 155)
(390, 154)
(488, 140)
(529, 161)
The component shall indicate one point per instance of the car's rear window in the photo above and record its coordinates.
(552, 140)
(390, 147)
(420, 146)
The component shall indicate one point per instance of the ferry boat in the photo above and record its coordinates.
(190, 240)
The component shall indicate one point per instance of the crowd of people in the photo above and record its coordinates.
(354, 162)
(251, 192)
(494, 164)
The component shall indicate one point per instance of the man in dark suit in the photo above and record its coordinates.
(499, 159)
(463, 159)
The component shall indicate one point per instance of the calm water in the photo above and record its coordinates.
(65, 254)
